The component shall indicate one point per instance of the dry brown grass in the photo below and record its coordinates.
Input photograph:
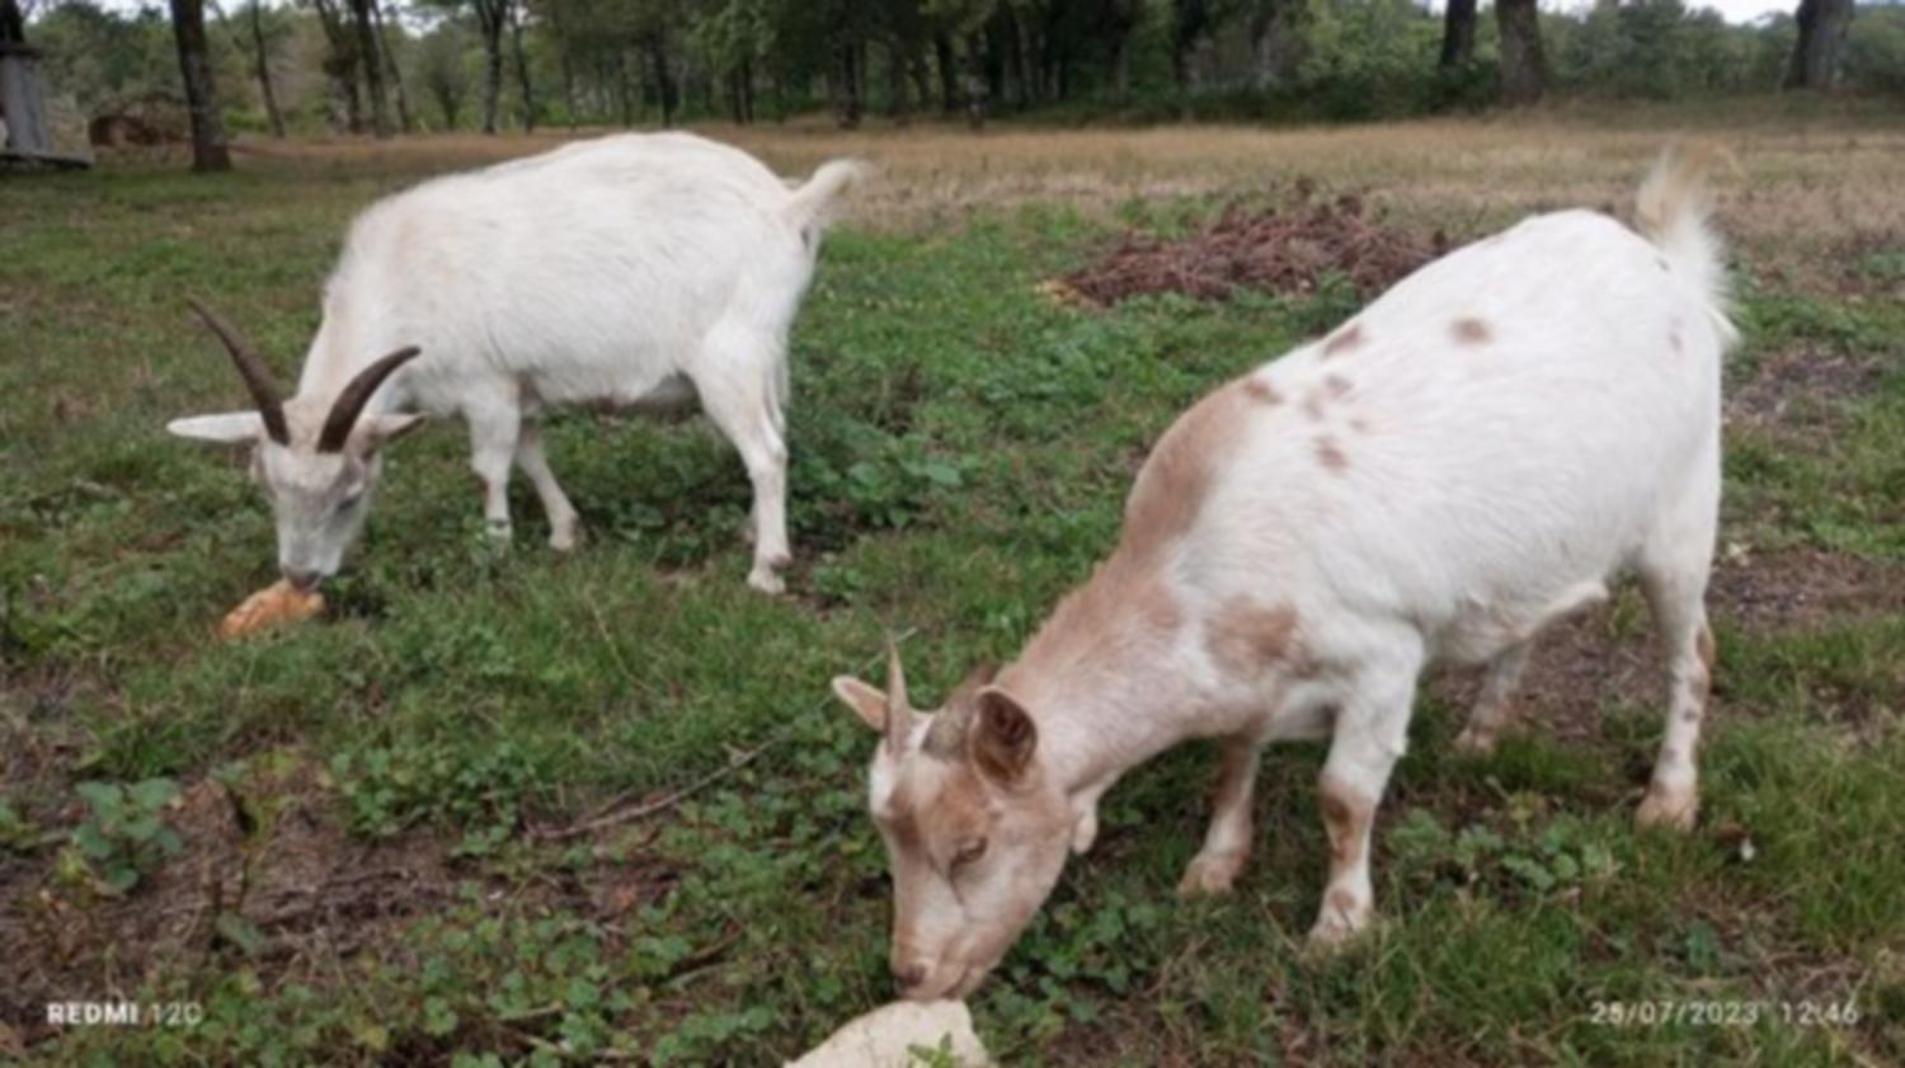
(1813, 181)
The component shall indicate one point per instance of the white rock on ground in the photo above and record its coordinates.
(883, 1038)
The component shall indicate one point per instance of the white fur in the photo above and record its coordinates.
(632, 270)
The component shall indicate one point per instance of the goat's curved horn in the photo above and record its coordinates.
(350, 403)
(251, 368)
(899, 712)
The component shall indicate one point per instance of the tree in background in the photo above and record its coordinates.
(340, 61)
(440, 65)
(1822, 33)
(392, 67)
(261, 67)
(370, 62)
(209, 152)
(1458, 34)
(1524, 68)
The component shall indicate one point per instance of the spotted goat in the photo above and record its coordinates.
(642, 271)
(1476, 455)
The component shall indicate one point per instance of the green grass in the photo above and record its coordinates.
(961, 449)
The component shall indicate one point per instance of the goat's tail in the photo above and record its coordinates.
(1672, 211)
(814, 205)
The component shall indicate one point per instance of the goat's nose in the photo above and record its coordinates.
(909, 975)
(300, 578)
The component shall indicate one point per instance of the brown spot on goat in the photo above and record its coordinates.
(1331, 456)
(1343, 340)
(1471, 331)
(1703, 645)
(1337, 386)
(1262, 392)
(1245, 638)
(1346, 817)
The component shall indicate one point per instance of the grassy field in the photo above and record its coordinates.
(508, 807)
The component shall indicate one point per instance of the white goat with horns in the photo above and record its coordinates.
(636, 270)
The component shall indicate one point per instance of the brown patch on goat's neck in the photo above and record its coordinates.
(1177, 477)
(1343, 341)
(1246, 638)
(1331, 456)
(1469, 330)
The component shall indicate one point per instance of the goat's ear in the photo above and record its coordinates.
(866, 701)
(1004, 739)
(229, 428)
(376, 431)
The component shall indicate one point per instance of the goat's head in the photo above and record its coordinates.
(975, 829)
(317, 460)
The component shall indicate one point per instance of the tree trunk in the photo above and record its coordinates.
(624, 91)
(977, 100)
(12, 23)
(1822, 30)
(489, 19)
(1458, 34)
(665, 90)
(948, 73)
(392, 68)
(1524, 70)
(209, 152)
(1192, 21)
(522, 65)
(373, 70)
(898, 108)
(846, 88)
(922, 80)
(263, 63)
(340, 64)
(562, 57)
(747, 89)
(1276, 43)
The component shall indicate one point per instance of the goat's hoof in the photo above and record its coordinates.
(1343, 918)
(1210, 875)
(564, 538)
(1668, 808)
(767, 580)
(1476, 743)
(498, 531)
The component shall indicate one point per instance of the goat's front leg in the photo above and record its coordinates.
(1371, 733)
(555, 503)
(1227, 842)
(495, 426)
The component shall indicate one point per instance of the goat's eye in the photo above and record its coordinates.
(970, 850)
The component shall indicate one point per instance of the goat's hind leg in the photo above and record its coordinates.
(738, 378)
(1674, 567)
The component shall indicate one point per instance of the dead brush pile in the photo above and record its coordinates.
(1289, 252)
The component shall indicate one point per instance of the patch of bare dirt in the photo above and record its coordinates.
(265, 875)
(1289, 251)
(1802, 389)
(1581, 664)
(1800, 588)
